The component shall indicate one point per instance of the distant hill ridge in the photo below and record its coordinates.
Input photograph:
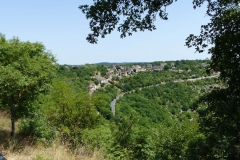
(118, 63)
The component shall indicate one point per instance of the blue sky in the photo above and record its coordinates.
(62, 28)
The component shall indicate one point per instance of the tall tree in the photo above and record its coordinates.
(26, 70)
(220, 122)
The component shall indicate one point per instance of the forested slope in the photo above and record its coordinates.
(155, 119)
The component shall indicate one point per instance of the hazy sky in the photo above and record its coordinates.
(62, 28)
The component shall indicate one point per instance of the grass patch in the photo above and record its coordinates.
(23, 148)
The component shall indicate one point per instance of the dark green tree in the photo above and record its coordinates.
(26, 70)
(166, 67)
(220, 120)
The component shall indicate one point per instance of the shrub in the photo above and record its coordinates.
(38, 128)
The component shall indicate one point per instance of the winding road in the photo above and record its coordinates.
(112, 105)
(114, 101)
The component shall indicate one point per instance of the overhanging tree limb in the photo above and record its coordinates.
(127, 16)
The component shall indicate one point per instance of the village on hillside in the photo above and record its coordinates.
(116, 72)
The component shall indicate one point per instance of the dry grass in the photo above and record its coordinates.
(5, 124)
(5, 121)
(55, 152)
(24, 149)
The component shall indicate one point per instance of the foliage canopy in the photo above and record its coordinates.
(140, 15)
(26, 70)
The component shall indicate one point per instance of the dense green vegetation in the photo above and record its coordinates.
(153, 102)
(104, 96)
(159, 116)
(219, 121)
(81, 76)
(144, 79)
(153, 121)
(166, 122)
(154, 108)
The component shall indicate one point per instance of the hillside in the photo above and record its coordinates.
(157, 118)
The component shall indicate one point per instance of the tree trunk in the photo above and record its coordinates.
(13, 128)
(13, 122)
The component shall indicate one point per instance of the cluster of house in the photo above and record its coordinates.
(118, 71)
(92, 86)
(123, 70)
(114, 72)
